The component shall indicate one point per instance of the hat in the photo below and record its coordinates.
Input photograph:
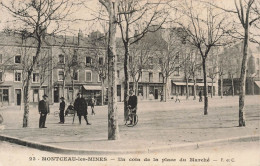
(62, 98)
(44, 95)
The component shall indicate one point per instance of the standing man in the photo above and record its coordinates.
(132, 104)
(81, 106)
(200, 95)
(62, 108)
(44, 109)
(92, 104)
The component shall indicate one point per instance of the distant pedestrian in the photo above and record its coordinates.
(62, 108)
(44, 109)
(92, 104)
(177, 98)
(200, 95)
(81, 106)
(161, 95)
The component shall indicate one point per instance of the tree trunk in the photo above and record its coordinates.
(126, 82)
(26, 100)
(72, 88)
(102, 91)
(187, 88)
(113, 130)
(232, 84)
(221, 86)
(205, 88)
(242, 80)
(212, 89)
(195, 89)
(253, 87)
(63, 88)
(165, 89)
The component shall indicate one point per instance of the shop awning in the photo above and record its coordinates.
(257, 83)
(92, 87)
(190, 84)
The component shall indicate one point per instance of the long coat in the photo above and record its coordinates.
(81, 106)
(43, 107)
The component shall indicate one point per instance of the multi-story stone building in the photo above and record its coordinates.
(70, 64)
(233, 69)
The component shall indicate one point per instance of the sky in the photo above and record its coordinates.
(91, 9)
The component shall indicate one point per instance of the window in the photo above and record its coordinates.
(17, 59)
(160, 60)
(4, 95)
(118, 73)
(1, 76)
(100, 60)
(88, 60)
(160, 77)
(150, 60)
(1, 58)
(88, 76)
(76, 76)
(61, 59)
(18, 76)
(60, 75)
(177, 71)
(36, 78)
(118, 90)
(150, 77)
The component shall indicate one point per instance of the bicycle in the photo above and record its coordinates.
(132, 116)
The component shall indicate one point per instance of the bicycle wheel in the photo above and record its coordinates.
(56, 113)
(1, 119)
(136, 119)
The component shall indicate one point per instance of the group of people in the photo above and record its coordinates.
(80, 106)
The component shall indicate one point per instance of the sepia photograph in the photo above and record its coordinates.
(130, 82)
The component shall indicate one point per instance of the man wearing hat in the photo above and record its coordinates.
(81, 106)
(44, 109)
(62, 108)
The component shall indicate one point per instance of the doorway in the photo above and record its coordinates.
(18, 96)
(56, 95)
(155, 93)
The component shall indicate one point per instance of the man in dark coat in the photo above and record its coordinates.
(62, 108)
(81, 106)
(200, 95)
(44, 109)
(132, 104)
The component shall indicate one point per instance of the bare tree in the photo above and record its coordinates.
(213, 68)
(195, 66)
(141, 16)
(204, 32)
(248, 15)
(172, 58)
(100, 63)
(112, 9)
(138, 61)
(36, 16)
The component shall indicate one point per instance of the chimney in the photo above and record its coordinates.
(80, 36)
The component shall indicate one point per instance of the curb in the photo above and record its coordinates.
(61, 150)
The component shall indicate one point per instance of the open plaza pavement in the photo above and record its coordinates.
(162, 127)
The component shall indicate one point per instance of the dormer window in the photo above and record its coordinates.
(61, 59)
